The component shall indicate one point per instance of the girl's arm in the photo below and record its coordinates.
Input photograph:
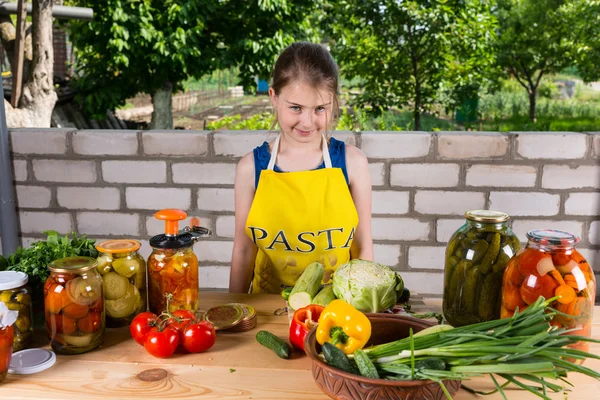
(360, 189)
(244, 250)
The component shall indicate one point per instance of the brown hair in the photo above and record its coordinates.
(311, 63)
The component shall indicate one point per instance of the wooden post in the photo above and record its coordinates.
(19, 54)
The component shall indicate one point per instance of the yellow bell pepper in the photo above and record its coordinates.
(343, 326)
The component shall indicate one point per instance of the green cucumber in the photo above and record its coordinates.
(270, 341)
(325, 296)
(336, 358)
(365, 365)
(307, 286)
(285, 293)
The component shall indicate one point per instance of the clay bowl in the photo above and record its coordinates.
(341, 385)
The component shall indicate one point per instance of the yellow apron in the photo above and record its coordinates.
(297, 218)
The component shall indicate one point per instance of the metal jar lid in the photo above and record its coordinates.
(118, 246)
(486, 216)
(73, 264)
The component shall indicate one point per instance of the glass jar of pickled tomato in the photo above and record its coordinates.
(173, 266)
(6, 343)
(123, 273)
(550, 266)
(476, 257)
(16, 294)
(74, 305)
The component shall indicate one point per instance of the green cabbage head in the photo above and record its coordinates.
(366, 285)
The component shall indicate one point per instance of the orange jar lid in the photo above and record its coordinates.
(118, 246)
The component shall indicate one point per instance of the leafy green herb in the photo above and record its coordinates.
(231, 370)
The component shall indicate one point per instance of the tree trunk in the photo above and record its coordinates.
(532, 115)
(39, 97)
(162, 100)
(417, 110)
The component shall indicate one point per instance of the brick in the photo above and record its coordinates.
(594, 233)
(570, 176)
(591, 256)
(399, 229)
(387, 254)
(33, 196)
(19, 170)
(216, 199)
(424, 283)
(155, 226)
(466, 145)
(596, 140)
(561, 145)
(501, 175)
(390, 202)
(89, 198)
(64, 171)
(447, 203)
(395, 144)
(239, 143)
(525, 203)
(346, 137)
(175, 143)
(446, 228)
(214, 251)
(377, 171)
(134, 171)
(28, 241)
(426, 257)
(225, 226)
(204, 173)
(103, 142)
(520, 227)
(583, 204)
(106, 223)
(39, 141)
(214, 277)
(157, 198)
(38, 222)
(424, 175)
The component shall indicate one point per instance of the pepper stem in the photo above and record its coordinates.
(337, 335)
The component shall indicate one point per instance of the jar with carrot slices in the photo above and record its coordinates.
(74, 305)
(476, 257)
(550, 266)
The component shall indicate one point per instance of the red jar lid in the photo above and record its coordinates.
(553, 237)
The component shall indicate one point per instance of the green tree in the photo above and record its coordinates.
(586, 20)
(404, 51)
(153, 46)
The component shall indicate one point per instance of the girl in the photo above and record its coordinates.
(320, 208)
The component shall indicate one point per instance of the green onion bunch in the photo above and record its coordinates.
(524, 350)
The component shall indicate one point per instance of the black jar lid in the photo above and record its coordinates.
(164, 241)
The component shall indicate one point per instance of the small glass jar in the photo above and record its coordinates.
(123, 273)
(6, 344)
(476, 257)
(16, 294)
(74, 305)
(550, 266)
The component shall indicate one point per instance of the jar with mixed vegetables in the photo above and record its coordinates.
(550, 266)
(74, 305)
(16, 294)
(476, 257)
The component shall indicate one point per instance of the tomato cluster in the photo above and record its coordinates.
(162, 334)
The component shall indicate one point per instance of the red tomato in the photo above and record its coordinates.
(199, 337)
(141, 325)
(163, 343)
(184, 318)
(90, 323)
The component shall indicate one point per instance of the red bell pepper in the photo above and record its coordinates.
(303, 321)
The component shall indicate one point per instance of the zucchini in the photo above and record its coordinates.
(270, 341)
(307, 286)
(338, 359)
(325, 296)
(285, 293)
(365, 365)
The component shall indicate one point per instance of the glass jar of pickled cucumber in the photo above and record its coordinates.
(123, 273)
(74, 305)
(16, 294)
(476, 257)
(550, 266)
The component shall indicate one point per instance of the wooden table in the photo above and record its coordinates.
(237, 367)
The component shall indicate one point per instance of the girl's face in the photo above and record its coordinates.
(303, 112)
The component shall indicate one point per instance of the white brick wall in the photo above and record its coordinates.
(107, 223)
(521, 226)
(102, 142)
(583, 204)
(597, 144)
(134, 171)
(146, 198)
(33, 197)
(216, 277)
(19, 170)
(237, 144)
(426, 257)
(395, 144)
(89, 198)
(175, 143)
(390, 202)
(501, 175)
(461, 145)
(64, 171)
(225, 226)
(399, 229)
(424, 283)
(204, 173)
(446, 228)
(571, 176)
(387, 254)
(38, 222)
(216, 200)
(39, 141)
(425, 175)
(377, 171)
(212, 251)
(561, 145)
(594, 233)
(525, 203)
(447, 203)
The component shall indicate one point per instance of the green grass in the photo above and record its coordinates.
(520, 123)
